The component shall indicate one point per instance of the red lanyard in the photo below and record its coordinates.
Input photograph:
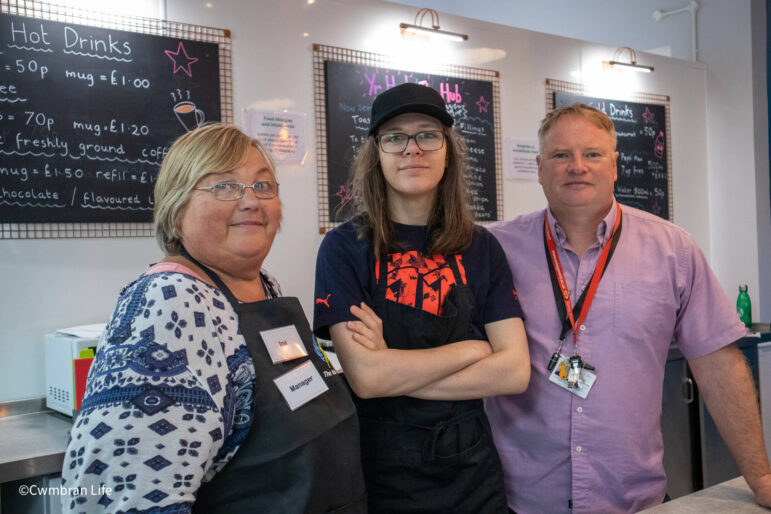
(599, 270)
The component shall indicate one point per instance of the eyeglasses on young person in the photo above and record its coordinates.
(397, 142)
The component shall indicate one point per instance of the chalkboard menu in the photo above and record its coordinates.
(643, 164)
(350, 91)
(88, 114)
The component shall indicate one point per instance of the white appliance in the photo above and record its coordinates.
(68, 355)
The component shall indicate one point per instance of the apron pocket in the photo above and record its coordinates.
(455, 441)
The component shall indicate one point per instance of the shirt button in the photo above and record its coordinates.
(580, 409)
(582, 327)
(578, 449)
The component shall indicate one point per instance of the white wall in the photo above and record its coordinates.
(730, 146)
(50, 284)
(762, 182)
(54, 283)
(608, 22)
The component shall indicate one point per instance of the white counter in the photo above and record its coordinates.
(733, 496)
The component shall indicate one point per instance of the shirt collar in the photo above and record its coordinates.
(604, 229)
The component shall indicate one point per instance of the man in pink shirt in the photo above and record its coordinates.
(586, 436)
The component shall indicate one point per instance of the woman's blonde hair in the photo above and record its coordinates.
(211, 149)
(451, 226)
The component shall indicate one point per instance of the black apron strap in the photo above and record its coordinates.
(452, 260)
(213, 276)
(266, 284)
(382, 277)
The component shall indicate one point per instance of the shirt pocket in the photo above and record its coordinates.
(644, 310)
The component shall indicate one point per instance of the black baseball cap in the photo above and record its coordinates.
(408, 97)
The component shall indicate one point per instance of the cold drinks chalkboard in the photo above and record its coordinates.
(88, 114)
(643, 151)
(350, 90)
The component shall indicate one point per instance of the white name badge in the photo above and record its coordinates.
(283, 344)
(301, 385)
(587, 376)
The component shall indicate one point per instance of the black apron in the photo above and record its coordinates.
(306, 461)
(424, 455)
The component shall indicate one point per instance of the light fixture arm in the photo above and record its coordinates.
(692, 7)
(422, 14)
(434, 29)
(622, 49)
(632, 64)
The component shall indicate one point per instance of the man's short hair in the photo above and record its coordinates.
(594, 116)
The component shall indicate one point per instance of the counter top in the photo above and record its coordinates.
(733, 496)
(32, 444)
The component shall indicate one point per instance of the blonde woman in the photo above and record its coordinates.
(185, 408)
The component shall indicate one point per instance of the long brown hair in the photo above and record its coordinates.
(451, 226)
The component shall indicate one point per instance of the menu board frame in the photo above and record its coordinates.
(51, 12)
(323, 54)
(558, 86)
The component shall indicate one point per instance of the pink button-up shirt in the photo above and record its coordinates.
(603, 453)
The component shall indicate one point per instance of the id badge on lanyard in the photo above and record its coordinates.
(572, 376)
(572, 373)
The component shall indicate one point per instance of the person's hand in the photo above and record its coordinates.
(762, 489)
(368, 331)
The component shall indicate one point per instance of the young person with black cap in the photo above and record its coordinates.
(420, 305)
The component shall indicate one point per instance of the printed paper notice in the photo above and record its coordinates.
(282, 133)
(519, 159)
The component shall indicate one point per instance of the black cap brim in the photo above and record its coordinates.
(440, 114)
(406, 98)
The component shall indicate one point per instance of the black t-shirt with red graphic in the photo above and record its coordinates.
(346, 274)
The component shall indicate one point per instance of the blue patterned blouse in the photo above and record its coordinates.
(168, 400)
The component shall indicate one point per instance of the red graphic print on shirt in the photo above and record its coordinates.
(421, 281)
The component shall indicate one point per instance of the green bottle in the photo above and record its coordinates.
(744, 306)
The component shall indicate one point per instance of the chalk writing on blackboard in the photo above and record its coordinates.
(89, 113)
(643, 170)
(350, 90)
